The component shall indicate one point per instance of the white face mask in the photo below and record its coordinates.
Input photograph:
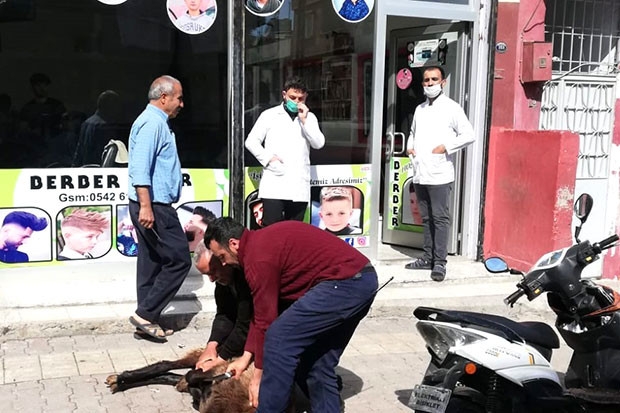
(432, 91)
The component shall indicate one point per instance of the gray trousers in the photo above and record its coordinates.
(433, 201)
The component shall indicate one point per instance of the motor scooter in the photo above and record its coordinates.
(489, 363)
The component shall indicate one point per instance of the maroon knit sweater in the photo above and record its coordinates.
(282, 262)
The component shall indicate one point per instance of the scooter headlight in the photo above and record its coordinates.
(440, 338)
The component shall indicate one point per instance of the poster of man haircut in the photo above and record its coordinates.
(25, 235)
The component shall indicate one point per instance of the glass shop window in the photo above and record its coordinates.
(75, 74)
(333, 55)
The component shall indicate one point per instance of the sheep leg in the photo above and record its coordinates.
(119, 382)
(168, 379)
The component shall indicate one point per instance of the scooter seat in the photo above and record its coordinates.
(534, 332)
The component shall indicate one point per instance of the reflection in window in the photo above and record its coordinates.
(308, 39)
(75, 76)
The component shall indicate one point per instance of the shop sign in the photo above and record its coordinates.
(428, 52)
(97, 196)
(403, 213)
(501, 47)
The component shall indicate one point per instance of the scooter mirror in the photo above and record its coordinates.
(496, 265)
(583, 207)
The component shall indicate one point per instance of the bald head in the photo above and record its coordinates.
(166, 93)
(211, 266)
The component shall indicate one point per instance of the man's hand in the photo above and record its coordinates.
(146, 217)
(440, 149)
(210, 364)
(209, 358)
(302, 112)
(276, 165)
(410, 152)
(255, 387)
(241, 364)
(274, 158)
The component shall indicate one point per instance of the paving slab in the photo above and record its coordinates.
(55, 358)
(385, 359)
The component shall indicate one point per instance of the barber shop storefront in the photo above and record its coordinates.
(75, 74)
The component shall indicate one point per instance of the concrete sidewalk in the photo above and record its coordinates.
(384, 360)
(42, 302)
(55, 359)
(50, 308)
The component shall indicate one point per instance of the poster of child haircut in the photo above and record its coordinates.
(192, 16)
(25, 235)
(126, 237)
(253, 211)
(410, 209)
(337, 209)
(195, 217)
(83, 232)
(338, 201)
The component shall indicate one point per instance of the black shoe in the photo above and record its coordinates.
(439, 272)
(419, 264)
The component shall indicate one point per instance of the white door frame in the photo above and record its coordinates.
(478, 13)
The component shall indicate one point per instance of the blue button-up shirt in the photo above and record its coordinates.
(153, 158)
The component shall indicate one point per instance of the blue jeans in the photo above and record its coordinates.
(311, 335)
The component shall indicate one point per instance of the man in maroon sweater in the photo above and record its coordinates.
(327, 287)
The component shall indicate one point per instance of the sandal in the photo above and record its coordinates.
(140, 335)
(154, 331)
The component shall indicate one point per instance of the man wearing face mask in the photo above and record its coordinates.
(439, 129)
(281, 140)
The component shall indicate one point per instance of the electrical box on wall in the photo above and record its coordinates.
(536, 62)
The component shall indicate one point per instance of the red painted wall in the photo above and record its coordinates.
(503, 110)
(516, 105)
(531, 173)
(529, 194)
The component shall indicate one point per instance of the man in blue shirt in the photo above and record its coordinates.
(354, 10)
(155, 182)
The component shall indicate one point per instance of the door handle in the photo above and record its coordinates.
(403, 146)
(389, 148)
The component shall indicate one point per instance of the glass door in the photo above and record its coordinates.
(410, 50)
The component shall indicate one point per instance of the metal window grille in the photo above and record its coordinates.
(584, 105)
(585, 35)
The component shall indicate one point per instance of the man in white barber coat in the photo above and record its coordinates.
(281, 140)
(439, 129)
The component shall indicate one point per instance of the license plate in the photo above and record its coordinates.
(429, 399)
